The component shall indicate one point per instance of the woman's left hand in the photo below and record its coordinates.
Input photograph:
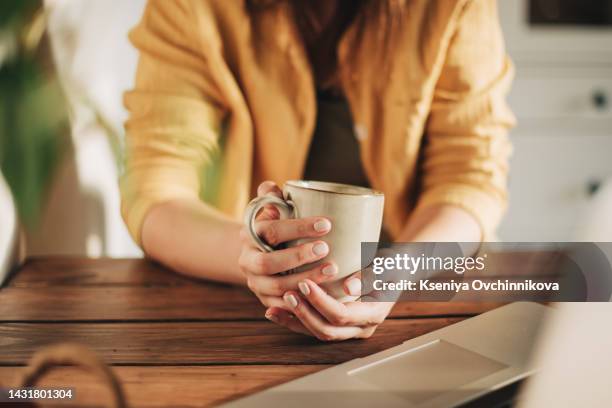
(317, 314)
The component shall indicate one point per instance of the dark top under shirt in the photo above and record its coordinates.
(334, 153)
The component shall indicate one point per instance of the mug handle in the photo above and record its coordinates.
(285, 206)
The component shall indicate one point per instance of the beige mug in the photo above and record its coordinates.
(355, 213)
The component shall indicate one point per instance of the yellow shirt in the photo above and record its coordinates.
(224, 99)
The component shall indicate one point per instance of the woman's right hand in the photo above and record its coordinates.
(262, 269)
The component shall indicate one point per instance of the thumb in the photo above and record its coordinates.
(269, 188)
(352, 285)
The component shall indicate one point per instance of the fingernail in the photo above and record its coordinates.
(304, 288)
(322, 225)
(320, 248)
(272, 317)
(329, 270)
(354, 286)
(291, 300)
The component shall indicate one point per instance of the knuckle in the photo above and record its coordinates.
(271, 234)
(264, 300)
(367, 333)
(260, 262)
(326, 335)
(340, 318)
(242, 264)
(265, 187)
(251, 284)
(302, 229)
(277, 287)
(378, 319)
(302, 254)
(243, 235)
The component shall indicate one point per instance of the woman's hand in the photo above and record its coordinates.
(315, 313)
(261, 269)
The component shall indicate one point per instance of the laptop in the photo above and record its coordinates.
(461, 364)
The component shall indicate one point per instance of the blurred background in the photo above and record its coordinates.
(59, 194)
(561, 172)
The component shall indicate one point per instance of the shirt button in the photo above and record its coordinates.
(361, 132)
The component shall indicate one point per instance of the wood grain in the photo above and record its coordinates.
(66, 271)
(176, 341)
(206, 302)
(82, 272)
(194, 302)
(160, 386)
(64, 289)
(203, 343)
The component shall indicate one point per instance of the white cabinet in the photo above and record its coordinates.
(563, 94)
(552, 180)
(562, 97)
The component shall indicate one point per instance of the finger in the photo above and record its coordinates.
(270, 263)
(279, 231)
(268, 212)
(367, 332)
(287, 319)
(284, 318)
(269, 187)
(335, 312)
(371, 313)
(315, 323)
(271, 301)
(278, 285)
(352, 285)
(342, 314)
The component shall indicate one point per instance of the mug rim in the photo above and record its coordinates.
(304, 184)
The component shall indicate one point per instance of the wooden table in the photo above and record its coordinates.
(174, 341)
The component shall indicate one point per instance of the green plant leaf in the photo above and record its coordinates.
(33, 133)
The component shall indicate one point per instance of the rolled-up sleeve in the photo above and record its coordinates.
(174, 112)
(466, 152)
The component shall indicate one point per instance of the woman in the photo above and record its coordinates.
(230, 94)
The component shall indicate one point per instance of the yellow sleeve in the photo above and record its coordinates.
(466, 152)
(175, 111)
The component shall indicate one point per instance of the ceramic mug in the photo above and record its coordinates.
(355, 213)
